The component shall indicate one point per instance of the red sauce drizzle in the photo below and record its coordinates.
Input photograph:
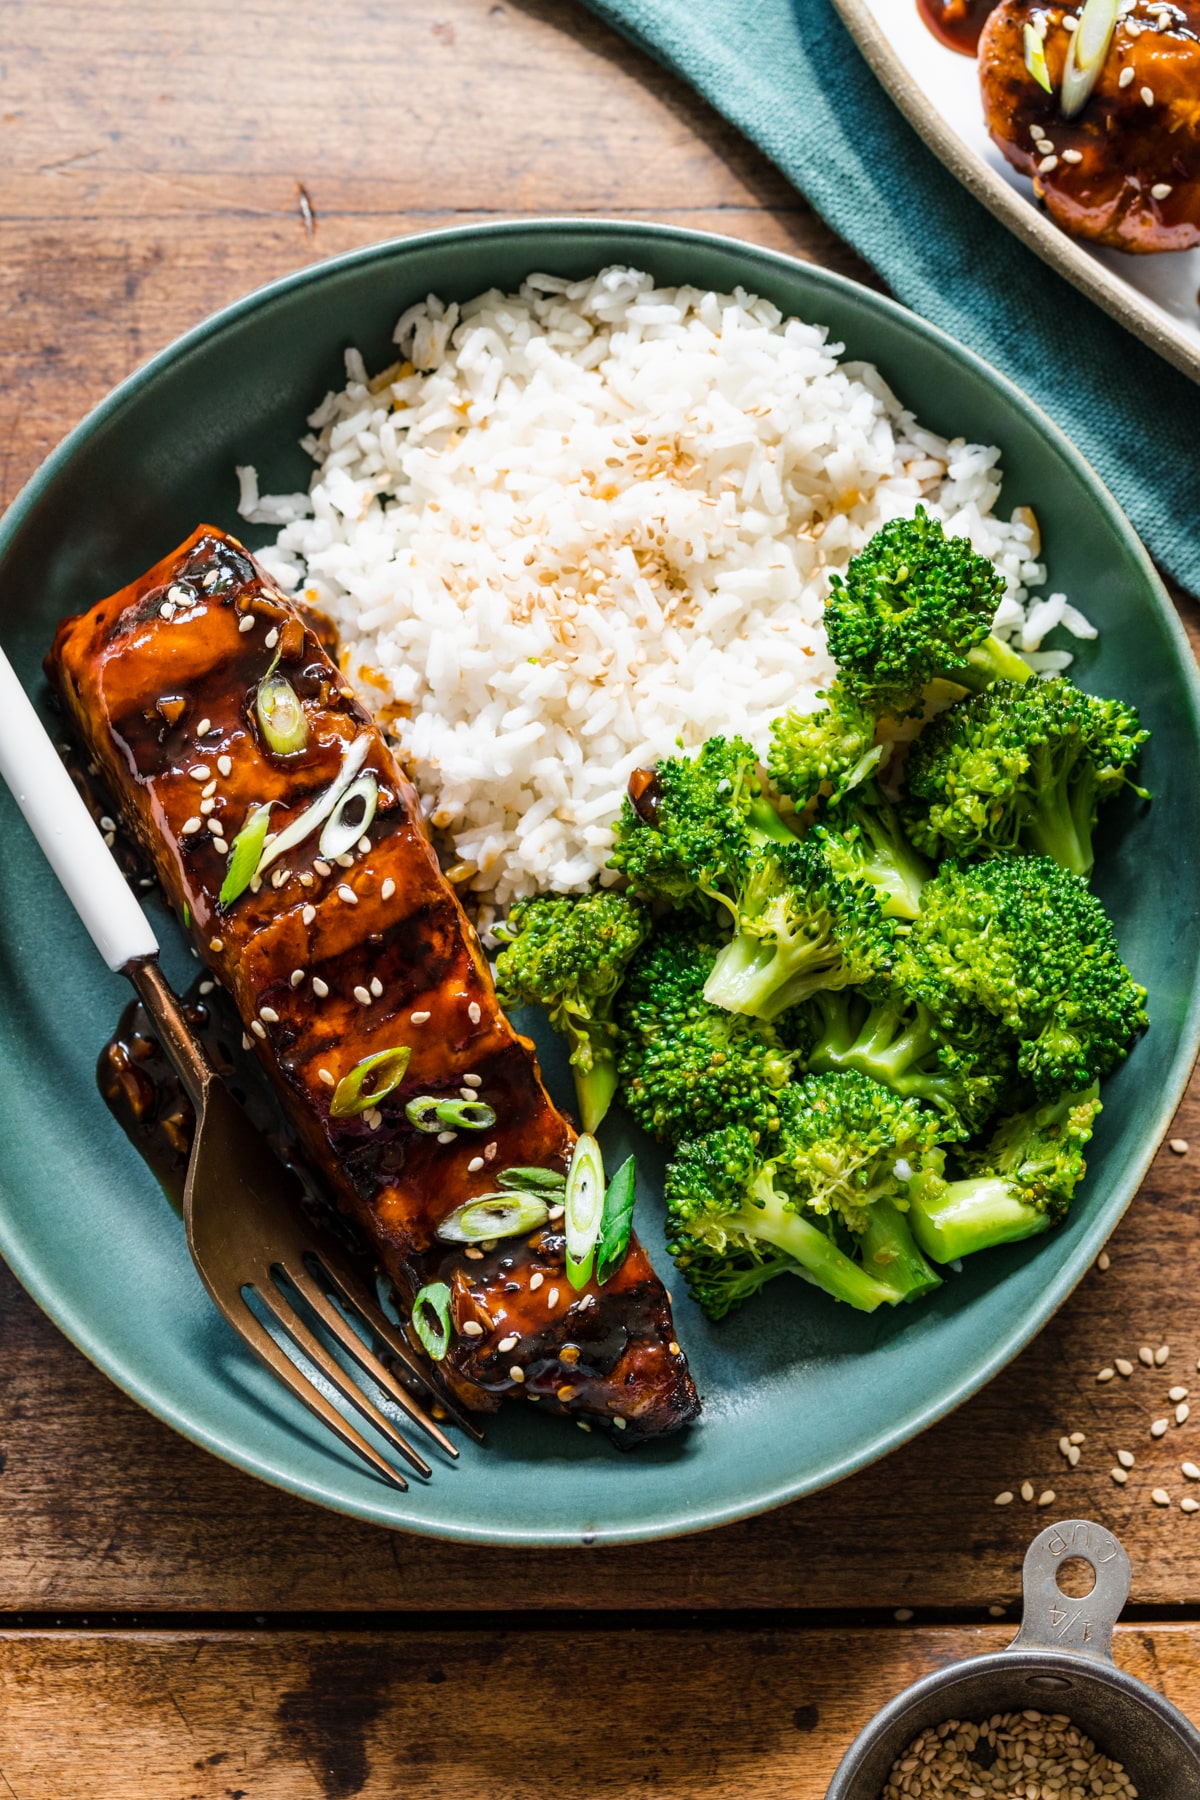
(957, 23)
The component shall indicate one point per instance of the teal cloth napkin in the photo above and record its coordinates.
(789, 75)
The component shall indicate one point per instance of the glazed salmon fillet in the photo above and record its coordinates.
(333, 961)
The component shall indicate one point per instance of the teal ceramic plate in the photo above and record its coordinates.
(798, 1392)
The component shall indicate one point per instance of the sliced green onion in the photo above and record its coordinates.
(1086, 53)
(369, 1081)
(187, 916)
(339, 834)
(281, 718)
(465, 1115)
(244, 856)
(616, 1221)
(434, 1299)
(422, 1112)
(312, 816)
(429, 1112)
(584, 1204)
(493, 1216)
(1035, 58)
(531, 1180)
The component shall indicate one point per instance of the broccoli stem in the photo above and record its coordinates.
(890, 1253)
(766, 824)
(955, 1218)
(891, 1043)
(890, 863)
(816, 1257)
(1054, 828)
(990, 661)
(594, 1089)
(762, 978)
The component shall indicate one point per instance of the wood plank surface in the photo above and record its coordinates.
(494, 1715)
(156, 162)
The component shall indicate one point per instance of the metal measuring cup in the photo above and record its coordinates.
(1059, 1662)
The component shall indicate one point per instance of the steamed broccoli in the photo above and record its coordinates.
(823, 1206)
(1021, 768)
(916, 605)
(847, 1142)
(1021, 939)
(800, 927)
(1020, 1183)
(826, 752)
(686, 1066)
(696, 825)
(864, 841)
(569, 954)
(886, 1031)
(831, 757)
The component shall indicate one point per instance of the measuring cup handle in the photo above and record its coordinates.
(1054, 1621)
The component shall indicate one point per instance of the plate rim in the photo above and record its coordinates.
(1053, 245)
(627, 235)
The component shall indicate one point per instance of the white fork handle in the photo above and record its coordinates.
(66, 831)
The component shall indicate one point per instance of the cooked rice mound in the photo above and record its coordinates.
(576, 527)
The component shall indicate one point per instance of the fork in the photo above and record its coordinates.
(245, 1231)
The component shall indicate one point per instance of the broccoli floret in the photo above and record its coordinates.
(831, 757)
(685, 1066)
(1021, 1183)
(826, 752)
(800, 927)
(886, 1032)
(1022, 768)
(916, 605)
(847, 1142)
(696, 824)
(1025, 941)
(864, 840)
(738, 1216)
(569, 954)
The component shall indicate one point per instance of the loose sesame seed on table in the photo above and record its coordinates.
(171, 1627)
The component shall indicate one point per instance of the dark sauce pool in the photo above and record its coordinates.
(957, 23)
(146, 1098)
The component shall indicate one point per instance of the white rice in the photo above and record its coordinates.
(579, 526)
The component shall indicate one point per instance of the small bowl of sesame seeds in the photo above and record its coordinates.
(1050, 1718)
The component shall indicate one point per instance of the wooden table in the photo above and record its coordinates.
(173, 1629)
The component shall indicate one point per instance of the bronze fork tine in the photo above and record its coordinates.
(315, 1297)
(290, 1322)
(351, 1290)
(256, 1336)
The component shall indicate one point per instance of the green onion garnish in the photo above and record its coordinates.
(243, 857)
(466, 1115)
(493, 1216)
(339, 834)
(281, 718)
(1035, 58)
(1086, 54)
(531, 1180)
(584, 1205)
(428, 1112)
(431, 1318)
(616, 1221)
(422, 1112)
(369, 1081)
(322, 806)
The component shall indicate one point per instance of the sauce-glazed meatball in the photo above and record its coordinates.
(1125, 170)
